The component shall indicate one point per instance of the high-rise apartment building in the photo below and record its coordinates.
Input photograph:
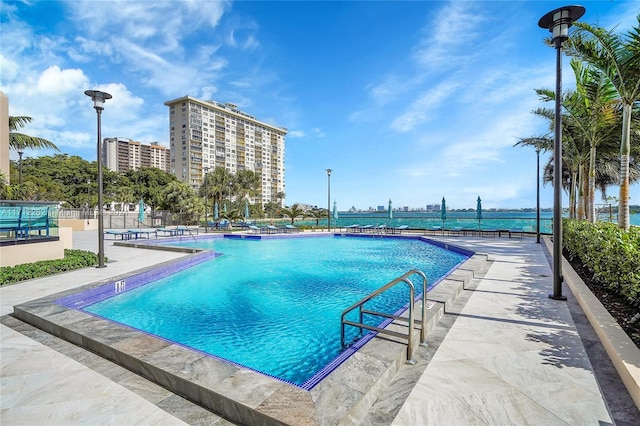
(122, 154)
(208, 134)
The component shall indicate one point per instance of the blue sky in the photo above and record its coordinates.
(410, 101)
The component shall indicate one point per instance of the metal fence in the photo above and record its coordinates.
(126, 219)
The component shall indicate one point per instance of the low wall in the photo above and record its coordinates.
(18, 254)
(33, 251)
(79, 224)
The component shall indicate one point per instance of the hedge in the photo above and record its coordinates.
(73, 259)
(611, 254)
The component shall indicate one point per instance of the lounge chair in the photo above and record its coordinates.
(254, 229)
(514, 231)
(456, 230)
(289, 229)
(137, 233)
(123, 234)
(184, 229)
(364, 228)
(398, 229)
(269, 229)
(172, 232)
(380, 228)
(352, 228)
(435, 229)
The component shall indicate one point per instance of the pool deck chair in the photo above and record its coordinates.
(123, 234)
(288, 229)
(398, 229)
(269, 229)
(171, 232)
(254, 229)
(456, 231)
(435, 229)
(352, 228)
(138, 233)
(186, 229)
(365, 228)
(516, 231)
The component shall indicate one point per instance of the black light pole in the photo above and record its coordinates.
(99, 98)
(558, 22)
(538, 195)
(329, 199)
(20, 152)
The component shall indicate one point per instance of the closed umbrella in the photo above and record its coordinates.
(479, 211)
(335, 210)
(390, 210)
(443, 211)
(216, 214)
(140, 212)
(246, 210)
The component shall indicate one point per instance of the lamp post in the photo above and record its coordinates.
(206, 170)
(538, 195)
(329, 199)
(99, 98)
(20, 152)
(558, 22)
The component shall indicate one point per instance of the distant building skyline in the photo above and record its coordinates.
(123, 154)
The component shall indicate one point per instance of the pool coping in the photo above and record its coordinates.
(239, 394)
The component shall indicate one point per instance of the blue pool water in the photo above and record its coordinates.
(274, 305)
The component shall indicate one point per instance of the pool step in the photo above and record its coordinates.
(346, 395)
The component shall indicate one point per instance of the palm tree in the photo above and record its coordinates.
(618, 58)
(317, 214)
(594, 113)
(247, 184)
(220, 183)
(19, 141)
(293, 212)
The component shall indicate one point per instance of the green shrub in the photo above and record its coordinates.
(73, 259)
(611, 254)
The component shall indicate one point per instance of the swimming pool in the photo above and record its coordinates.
(274, 305)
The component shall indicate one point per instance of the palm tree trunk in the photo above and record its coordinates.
(591, 206)
(625, 150)
(572, 195)
(580, 186)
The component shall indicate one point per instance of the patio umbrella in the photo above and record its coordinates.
(335, 210)
(246, 209)
(479, 211)
(390, 210)
(140, 212)
(215, 211)
(443, 211)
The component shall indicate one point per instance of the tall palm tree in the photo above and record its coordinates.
(19, 141)
(618, 58)
(594, 112)
(220, 183)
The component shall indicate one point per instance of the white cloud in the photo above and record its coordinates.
(418, 111)
(456, 26)
(56, 82)
(296, 134)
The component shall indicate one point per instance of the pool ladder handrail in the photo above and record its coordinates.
(410, 319)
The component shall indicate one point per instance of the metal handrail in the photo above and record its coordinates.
(409, 336)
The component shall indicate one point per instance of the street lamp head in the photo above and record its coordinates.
(559, 20)
(98, 98)
(329, 172)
